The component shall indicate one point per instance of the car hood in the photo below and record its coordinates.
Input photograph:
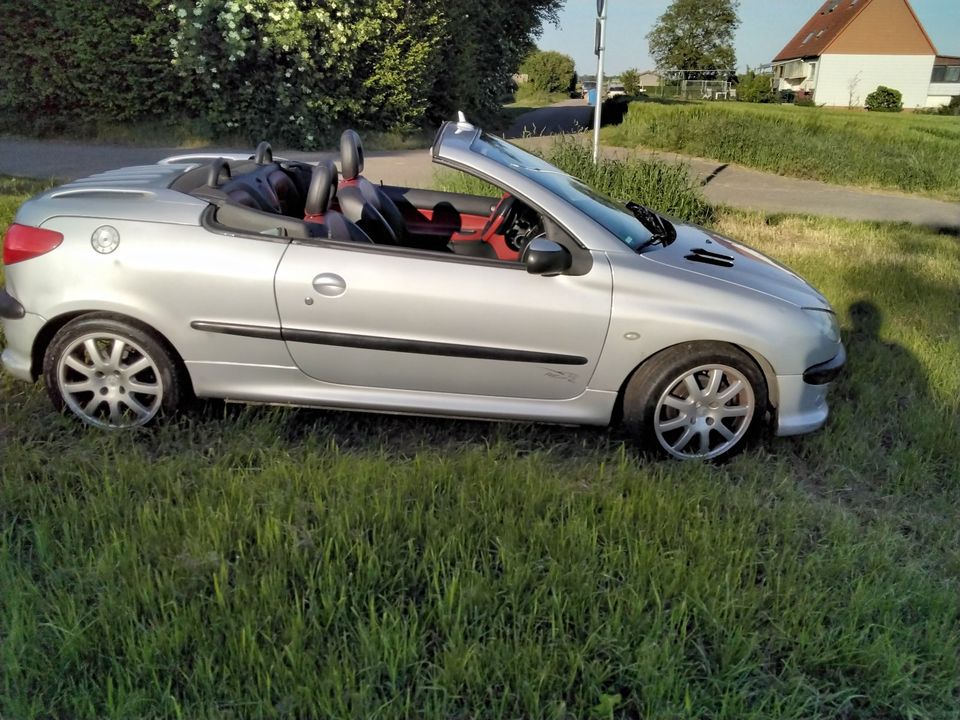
(702, 252)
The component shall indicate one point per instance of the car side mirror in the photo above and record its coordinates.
(545, 257)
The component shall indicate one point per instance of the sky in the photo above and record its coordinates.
(767, 26)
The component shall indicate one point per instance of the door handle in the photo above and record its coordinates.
(329, 285)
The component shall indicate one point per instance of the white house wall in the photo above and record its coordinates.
(843, 76)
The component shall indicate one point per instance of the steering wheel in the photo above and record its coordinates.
(217, 168)
(500, 213)
(526, 226)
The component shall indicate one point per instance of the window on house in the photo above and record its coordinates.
(939, 74)
(807, 39)
(821, 33)
(953, 74)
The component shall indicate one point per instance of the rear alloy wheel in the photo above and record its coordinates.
(697, 402)
(111, 374)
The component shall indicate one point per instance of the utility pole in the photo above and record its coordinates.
(600, 48)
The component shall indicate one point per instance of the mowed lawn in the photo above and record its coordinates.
(892, 151)
(269, 562)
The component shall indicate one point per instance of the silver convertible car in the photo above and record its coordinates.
(263, 280)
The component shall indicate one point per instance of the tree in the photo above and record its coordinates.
(630, 79)
(476, 63)
(550, 71)
(696, 35)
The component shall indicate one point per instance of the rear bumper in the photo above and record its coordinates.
(20, 333)
(10, 308)
(803, 404)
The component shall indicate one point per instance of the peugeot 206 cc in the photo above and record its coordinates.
(263, 280)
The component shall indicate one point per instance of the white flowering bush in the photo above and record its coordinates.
(296, 71)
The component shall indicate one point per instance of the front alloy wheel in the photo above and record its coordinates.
(704, 413)
(697, 401)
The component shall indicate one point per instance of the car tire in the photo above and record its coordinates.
(112, 374)
(696, 401)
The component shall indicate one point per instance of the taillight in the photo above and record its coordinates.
(23, 242)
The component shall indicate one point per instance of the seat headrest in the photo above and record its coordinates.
(263, 154)
(351, 155)
(323, 188)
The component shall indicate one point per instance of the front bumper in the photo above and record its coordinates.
(803, 404)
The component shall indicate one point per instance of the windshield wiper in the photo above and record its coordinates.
(662, 231)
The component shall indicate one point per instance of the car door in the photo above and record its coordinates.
(380, 317)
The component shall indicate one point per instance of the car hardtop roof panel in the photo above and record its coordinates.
(137, 193)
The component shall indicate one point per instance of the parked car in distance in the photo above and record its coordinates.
(256, 279)
(616, 90)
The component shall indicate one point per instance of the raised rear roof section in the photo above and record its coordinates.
(860, 27)
(139, 193)
(139, 177)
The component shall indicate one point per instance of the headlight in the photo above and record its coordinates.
(826, 321)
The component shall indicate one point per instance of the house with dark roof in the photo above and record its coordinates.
(850, 47)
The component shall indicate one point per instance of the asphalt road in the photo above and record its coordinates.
(723, 184)
(564, 117)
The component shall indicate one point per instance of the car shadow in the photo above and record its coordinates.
(405, 436)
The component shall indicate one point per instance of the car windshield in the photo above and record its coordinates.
(612, 215)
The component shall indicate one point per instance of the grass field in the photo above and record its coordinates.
(906, 152)
(295, 563)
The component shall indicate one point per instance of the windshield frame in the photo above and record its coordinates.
(613, 216)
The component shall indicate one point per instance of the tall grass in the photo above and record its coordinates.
(666, 187)
(271, 562)
(912, 153)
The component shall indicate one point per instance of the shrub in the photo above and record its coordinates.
(885, 99)
(755, 88)
(952, 108)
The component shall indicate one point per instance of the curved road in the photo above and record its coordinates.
(564, 117)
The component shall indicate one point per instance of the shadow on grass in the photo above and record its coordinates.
(894, 417)
(404, 436)
(948, 230)
(882, 372)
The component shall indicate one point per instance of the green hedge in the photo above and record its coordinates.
(292, 70)
(67, 63)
